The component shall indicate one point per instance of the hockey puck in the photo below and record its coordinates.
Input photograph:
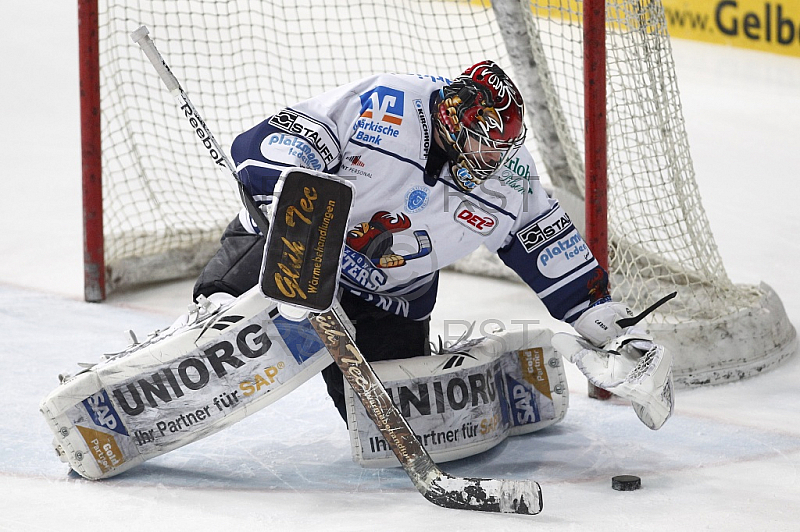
(626, 482)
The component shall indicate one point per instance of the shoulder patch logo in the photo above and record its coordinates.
(554, 223)
(311, 130)
(292, 150)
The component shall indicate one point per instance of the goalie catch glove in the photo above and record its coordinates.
(623, 360)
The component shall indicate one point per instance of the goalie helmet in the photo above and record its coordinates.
(480, 119)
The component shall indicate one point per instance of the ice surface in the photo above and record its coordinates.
(729, 459)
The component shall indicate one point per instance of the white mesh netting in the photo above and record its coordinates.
(165, 204)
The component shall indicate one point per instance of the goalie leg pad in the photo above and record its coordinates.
(467, 399)
(181, 385)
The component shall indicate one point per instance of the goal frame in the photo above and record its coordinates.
(719, 331)
(595, 140)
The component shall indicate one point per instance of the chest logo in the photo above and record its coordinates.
(375, 241)
(383, 104)
(474, 218)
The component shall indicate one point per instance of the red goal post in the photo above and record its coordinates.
(594, 76)
(94, 282)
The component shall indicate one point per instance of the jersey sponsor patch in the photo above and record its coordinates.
(564, 255)
(417, 199)
(355, 160)
(313, 131)
(381, 115)
(517, 176)
(424, 129)
(542, 230)
(355, 165)
(372, 132)
(474, 218)
(291, 150)
(102, 412)
(383, 104)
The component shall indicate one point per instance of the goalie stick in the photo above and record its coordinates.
(440, 488)
(141, 37)
(507, 496)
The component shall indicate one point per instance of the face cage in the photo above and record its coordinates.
(482, 157)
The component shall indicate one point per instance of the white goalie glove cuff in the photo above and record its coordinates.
(631, 367)
(598, 324)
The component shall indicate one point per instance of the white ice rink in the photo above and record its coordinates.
(728, 460)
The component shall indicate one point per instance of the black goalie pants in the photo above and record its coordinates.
(380, 335)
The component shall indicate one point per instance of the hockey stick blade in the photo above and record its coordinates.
(440, 488)
(628, 322)
(484, 495)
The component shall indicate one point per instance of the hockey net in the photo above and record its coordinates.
(165, 206)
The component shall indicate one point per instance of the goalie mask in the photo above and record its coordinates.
(480, 119)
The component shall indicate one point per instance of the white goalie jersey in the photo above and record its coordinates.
(409, 220)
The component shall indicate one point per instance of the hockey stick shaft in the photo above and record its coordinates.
(142, 37)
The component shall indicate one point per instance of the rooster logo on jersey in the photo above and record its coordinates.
(374, 240)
